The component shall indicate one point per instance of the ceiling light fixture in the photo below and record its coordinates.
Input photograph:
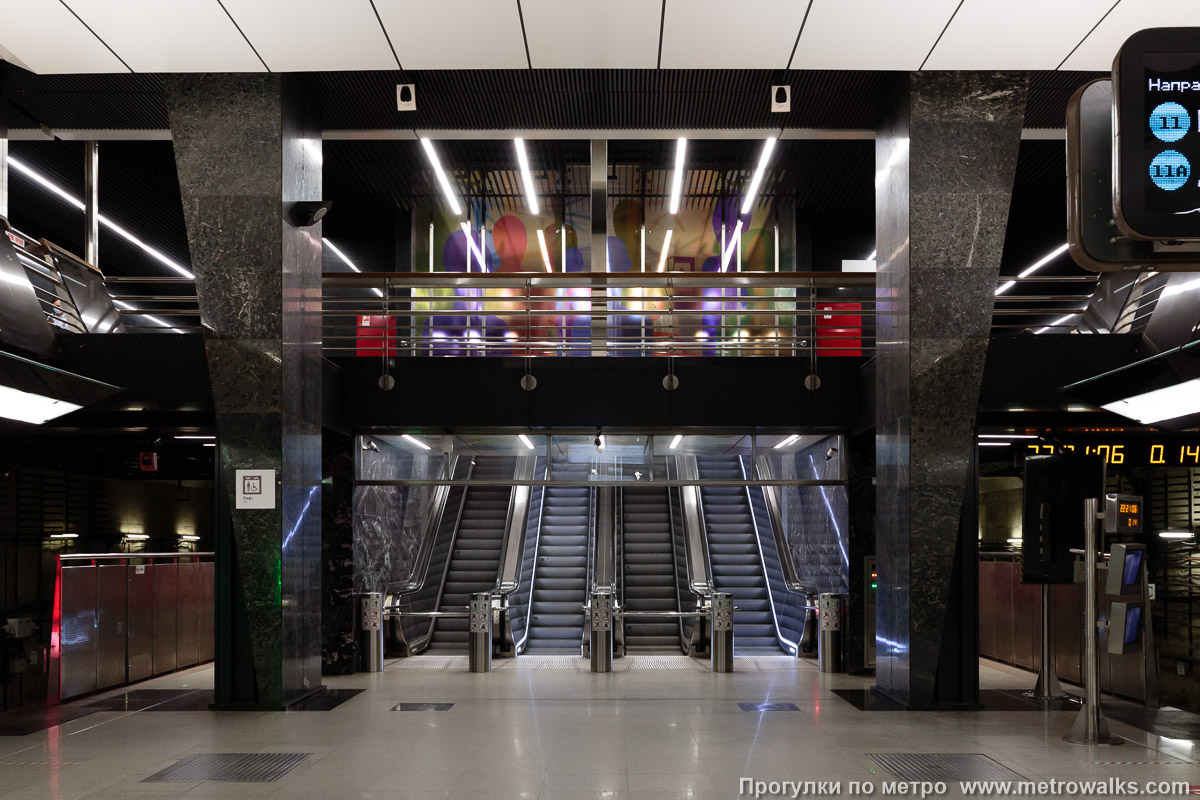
(795, 437)
(194, 436)
(30, 407)
(53, 188)
(1009, 436)
(415, 440)
(137, 536)
(189, 538)
(1169, 402)
(337, 252)
(526, 176)
(677, 178)
(1176, 534)
(442, 179)
(64, 536)
(756, 181)
(541, 237)
(1043, 261)
(525, 441)
(675, 442)
(994, 444)
(666, 248)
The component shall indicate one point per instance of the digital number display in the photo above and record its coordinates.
(1157, 94)
(1125, 450)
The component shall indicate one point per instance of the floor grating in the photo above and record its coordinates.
(944, 767)
(229, 768)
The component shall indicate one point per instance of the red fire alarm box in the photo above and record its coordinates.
(370, 330)
(148, 462)
(839, 333)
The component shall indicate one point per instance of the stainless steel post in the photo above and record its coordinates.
(600, 641)
(722, 632)
(479, 640)
(1090, 726)
(1047, 686)
(829, 642)
(372, 631)
(91, 202)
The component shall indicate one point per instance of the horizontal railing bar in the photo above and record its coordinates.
(510, 482)
(108, 556)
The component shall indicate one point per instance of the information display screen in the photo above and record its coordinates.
(1124, 449)
(1133, 625)
(1157, 77)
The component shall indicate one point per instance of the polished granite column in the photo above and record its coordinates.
(246, 148)
(339, 644)
(946, 155)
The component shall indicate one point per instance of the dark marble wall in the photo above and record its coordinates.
(946, 155)
(246, 147)
(339, 647)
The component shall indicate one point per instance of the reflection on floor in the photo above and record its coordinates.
(552, 733)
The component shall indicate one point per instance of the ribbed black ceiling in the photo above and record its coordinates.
(521, 99)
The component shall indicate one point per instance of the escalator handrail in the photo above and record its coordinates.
(785, 643)
(512, 549)
(602, 575)
(433, 523)
(696, 555)
(791, 575)
(520, 645)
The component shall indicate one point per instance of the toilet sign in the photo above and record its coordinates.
(255, 488)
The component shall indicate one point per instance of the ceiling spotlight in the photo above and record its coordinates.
(307, 213)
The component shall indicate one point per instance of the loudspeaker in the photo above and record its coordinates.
(781, 99)
(406, 97)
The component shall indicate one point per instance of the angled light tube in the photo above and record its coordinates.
(53, 188)
(731, 246)
(1043, 261)
(526, 176)
(662, 257)
(788, 441)
(476, 249)
(677, 178)
(1176, 535)
(1059, 321)
(541, 237)
(415, 440)
(346, 259)
(756, 181)
(1154, 406)
(525, 439)
(443, 180)
(675, 442)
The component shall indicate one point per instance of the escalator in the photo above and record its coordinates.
(733, 547)
(648, 556)
(560, 569)
(475, 556)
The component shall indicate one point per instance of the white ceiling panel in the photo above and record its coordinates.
(157, 36)
(1130, 16)
(312, 35)
(1015, 34)
(466, 34)
(718, 34)
(588, 34)
(47, 38)
(871, 34)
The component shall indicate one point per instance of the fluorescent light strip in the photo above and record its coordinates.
(748, 203)
(30, 407)
(677, 178)
(64, 536)
(526, 176)
(189, 538)
(137, 536)
(1059, 321)
(337, 252)
(1154, 406)
(1043, 261)
(731, 245)
(795, 437)
(210, 444)
(1176, 535)
(158, 255)
(415, 440)
(525, 439)
(995, 444)
(1008, 436)
(675, 442)
(541, 237)
(191, 436)
(443, 180)
(662, 257)
(476, 249)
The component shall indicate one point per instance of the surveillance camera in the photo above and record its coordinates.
(830, 453)
(307, 213)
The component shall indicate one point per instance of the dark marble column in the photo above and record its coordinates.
(946, 155)
(861, 466)
(247, 147)
(339, 646)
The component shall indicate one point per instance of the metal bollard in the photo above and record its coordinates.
(372, 631)
(829, 651)
(479, 640)
(722, 632)
(600, 640)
